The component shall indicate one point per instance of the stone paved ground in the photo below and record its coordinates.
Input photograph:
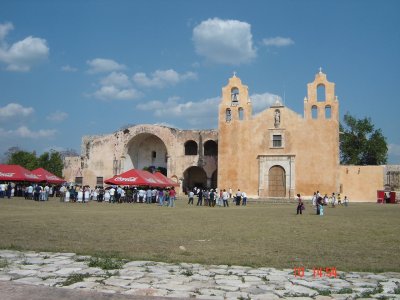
(184, 280)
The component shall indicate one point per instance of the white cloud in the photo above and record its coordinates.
(195, 113)
(162, 78)
(5, 29)
(68, 68)
(57, 116)
(202, 113)
(15, 110)
(116, 86)
(111, 92)
(278, 41)
(22, 55)
(25, 132)
(224, 41)
(262, 101)
(102, 65)
(116, 79)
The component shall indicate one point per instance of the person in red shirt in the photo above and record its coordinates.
(172, 195)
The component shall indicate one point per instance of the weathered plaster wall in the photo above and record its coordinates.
(360, 183)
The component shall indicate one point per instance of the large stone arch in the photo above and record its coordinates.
(146, 149)
(194, 177)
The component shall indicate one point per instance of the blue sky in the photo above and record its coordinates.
(74, 68)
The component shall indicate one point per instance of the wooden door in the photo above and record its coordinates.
(277, 182)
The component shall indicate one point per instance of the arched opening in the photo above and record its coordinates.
(210, 148)
(145, 150)
(234, 96)
(277, 182)
(314, 112)
(194, 177)
(241, 113)
(321, 92)
(328, 112)
(214, 179)
(228, 115)
(191, 148)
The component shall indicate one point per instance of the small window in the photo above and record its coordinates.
(235, 96)
(79, 180)
(328, 112)
(210, 148)
(153, 154)
(190, 148)
(314, 112)
(241, 113)
(277, 141)
(228, 115)
(99, 180)
(321, 92)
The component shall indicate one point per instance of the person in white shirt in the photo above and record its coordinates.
(142, 196)
(225, 197)
(238, 197)
(333, 200)
(191, 196)
(112, 195)
(46, 192)
(62, 193)
(244, 196)
(30, 192)
(107, 196)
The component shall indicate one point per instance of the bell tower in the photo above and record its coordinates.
(321, 102)
(235, 105)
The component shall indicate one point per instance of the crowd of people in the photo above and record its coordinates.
(213, 197)
(37, 192)
(118, 194)
(318, 202)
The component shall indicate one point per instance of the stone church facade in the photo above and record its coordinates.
(276, 153)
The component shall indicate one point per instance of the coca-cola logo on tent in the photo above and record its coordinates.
(7, 174)
(128, 179)
(31, 176)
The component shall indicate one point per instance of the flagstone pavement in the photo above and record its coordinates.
(69, 271)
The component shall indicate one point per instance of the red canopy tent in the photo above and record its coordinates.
(45, 175)
(17, 173)
(168, 181)
(137, 178)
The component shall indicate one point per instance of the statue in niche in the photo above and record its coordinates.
(277, 118)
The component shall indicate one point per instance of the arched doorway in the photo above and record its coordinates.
(145, 150)
(194, 177)
(277, 182)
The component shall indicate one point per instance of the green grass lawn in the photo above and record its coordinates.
(361, 237)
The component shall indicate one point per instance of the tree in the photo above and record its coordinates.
(361, 143)
(25, 159)
(51, 161)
